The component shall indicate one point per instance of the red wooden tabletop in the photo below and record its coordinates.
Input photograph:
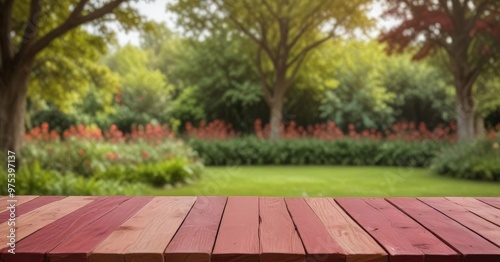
(108, 229)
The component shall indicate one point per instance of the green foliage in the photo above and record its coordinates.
(360, 96)
(486, 92)
(218, 81)
(33, 180)
(155, 174)
(145, 96)
(63, 72)
(254, 151)
(55, 118)
(88, 157)
(476, 159)
(422, 92)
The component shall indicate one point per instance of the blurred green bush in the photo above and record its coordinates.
(362, 152)
(33, 180)
(88, 166)
(478, 159)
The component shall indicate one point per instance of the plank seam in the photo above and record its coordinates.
(472, 230)
(473, 212)
(295, 226)
(218, 228)
(486, 203)
(432, 232)
(361, 226)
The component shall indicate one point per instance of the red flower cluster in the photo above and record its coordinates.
(151, 134)
(217, 129)
(114, 135)
(83, 132)
(329, 131)
(41, 133)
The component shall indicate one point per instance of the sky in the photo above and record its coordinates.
(157, 11)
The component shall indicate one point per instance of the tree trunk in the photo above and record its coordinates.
(465, 116)
(13, 92)
(276, 117)
(480, 129)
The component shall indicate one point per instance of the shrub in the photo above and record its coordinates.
(33, 180)
(156, 174)
(347, 151)
(87, 157)
(478, 159)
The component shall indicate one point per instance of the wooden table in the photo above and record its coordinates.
(150, 229)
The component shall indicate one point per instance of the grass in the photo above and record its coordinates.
(329, 181)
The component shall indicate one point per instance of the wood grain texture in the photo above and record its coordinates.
(146, 234)
(479, 208)
(402, 237)
(238, 237)
(317, 241)
(279, 241)
(492, 201)
(26, 204)
(34, 247)
(40, 217)
(358, 245)
(463, 216)
(469, 244)
(195, 239)
(76, 247)
(19, 200)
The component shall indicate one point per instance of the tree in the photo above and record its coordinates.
(360, 97)
(283, 32)
(467, 31)
(217, 73)
(29, 27)
(145, 94)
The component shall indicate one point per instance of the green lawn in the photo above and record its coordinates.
(329, 181)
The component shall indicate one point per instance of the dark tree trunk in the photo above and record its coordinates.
(276, 111)
(465, 111)
(13, 90)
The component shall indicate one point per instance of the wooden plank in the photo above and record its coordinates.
(492, 201)
(279, 241)
(238, 238)
(34, 247)
(402, 237)
(19, 200)
(27, 204)
(479, 208)
(357, 244)
(317, 241)
(24, 199)
(146, 234)
(472, 246)
(463, 216)
(196, 237)
(76, 247)
(32, 221)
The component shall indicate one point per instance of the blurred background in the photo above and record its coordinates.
(251, 97)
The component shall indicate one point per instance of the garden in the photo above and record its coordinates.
(319, 100)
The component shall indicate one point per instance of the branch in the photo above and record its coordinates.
(31, 30)
(265, 84)
(6, 49)
(74, 20)
(330, 35)
(306, 25)
(309, 48)
(78, 10)
(297, 67)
